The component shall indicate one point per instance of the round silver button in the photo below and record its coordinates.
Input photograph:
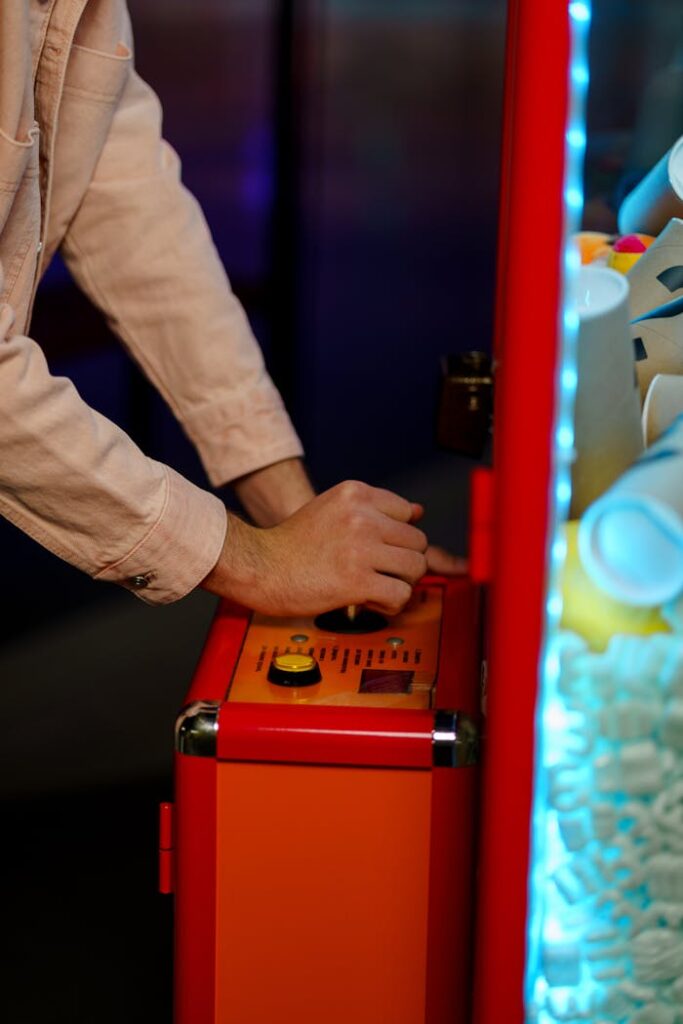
(298, 638)
(395, 641)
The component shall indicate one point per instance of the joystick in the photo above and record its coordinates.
(339, 621)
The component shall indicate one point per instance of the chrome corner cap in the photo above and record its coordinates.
(196, 729)
(455, 740)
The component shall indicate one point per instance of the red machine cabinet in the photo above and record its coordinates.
(529, 312)
(323, 835)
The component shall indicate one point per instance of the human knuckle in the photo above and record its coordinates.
(415, 570)
(398, 596)
(421, 539)
(351, 490)
(358, 520)
(352, 530)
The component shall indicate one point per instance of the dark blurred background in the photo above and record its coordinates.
(346, 156)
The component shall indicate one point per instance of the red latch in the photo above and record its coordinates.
(481, 525)
(166, 848)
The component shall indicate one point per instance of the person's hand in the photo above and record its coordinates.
(353, 544)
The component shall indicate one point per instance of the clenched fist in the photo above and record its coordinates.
(353, 544)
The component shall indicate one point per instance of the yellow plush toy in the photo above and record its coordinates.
(591, 612)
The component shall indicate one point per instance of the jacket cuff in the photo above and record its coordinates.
(180, 549)
(231, 465)
(252, 432)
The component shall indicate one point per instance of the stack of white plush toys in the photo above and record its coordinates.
(612, 937)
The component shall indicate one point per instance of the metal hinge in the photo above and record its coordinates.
(196, 729)
(455, 740)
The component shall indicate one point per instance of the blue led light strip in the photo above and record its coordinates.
(550, 926)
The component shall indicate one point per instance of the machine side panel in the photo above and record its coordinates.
(195, 890)
(459, 655)
(322, 897)
(454, 808)
(451, 896)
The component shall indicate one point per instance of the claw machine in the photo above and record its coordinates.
(580, 898)
(321, 851)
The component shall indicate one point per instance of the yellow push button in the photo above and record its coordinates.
(294, 670)
(294, 662)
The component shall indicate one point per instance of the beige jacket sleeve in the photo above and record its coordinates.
(140, 247)
(77, 484)
(70, 478)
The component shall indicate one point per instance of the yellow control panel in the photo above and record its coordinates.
(332, 660)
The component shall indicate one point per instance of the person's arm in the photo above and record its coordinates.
(82, 488)
(274, 493)
(78, 485)
(140, 248)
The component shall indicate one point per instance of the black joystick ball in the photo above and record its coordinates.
(339, 621)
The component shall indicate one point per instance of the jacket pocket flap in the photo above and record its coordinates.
(18, 164)
(97, 75)
(17, 158)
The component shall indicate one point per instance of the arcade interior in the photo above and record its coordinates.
(457, 229)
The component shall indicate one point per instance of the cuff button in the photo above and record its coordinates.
(140, 582)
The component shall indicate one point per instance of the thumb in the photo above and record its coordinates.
(443, 563)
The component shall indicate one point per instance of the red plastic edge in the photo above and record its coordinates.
(166, 872)
(527, 323)
(222, 648)
(481, 525)
(195, 897)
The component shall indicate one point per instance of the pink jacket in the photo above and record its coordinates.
(83, 167)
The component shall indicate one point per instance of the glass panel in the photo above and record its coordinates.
(606, 935)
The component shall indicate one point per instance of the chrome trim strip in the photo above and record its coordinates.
(455, 740)
(196, 729)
